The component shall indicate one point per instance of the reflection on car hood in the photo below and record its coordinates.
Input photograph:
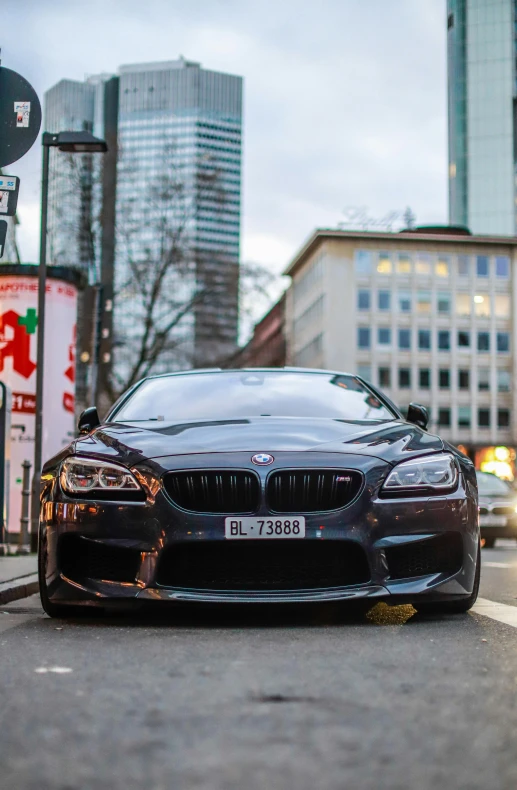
(131, 443)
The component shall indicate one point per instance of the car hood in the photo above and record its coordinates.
(132, 443)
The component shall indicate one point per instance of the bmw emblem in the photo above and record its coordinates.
(262, 459)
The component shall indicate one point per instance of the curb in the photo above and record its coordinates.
(18, 588)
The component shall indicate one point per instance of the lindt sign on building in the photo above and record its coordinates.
(18, 337)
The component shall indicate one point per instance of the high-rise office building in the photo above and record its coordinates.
(482, 99)
(176, 185)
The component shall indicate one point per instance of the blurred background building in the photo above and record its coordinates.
(482, 99)
(426, 315)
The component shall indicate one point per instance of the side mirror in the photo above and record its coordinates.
(418, 415)
(88, 420)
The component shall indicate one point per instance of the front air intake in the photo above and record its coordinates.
(207, 491)
(312, 490)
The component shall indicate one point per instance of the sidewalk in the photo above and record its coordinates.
(18, 577)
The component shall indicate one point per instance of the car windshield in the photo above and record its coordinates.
(235, 394)
(490, 485)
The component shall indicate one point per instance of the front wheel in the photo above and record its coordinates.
(453, 607)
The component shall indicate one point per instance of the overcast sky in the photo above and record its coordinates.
(345, 100)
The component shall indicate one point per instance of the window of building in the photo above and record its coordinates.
(423, 263)
(384, 265)
(444, 418)
(404, 298)
(444, 379)
(443, 302)
(463, 265)
(363, 262)
(484, 418)
(424, 339)
(404, 338)
(363, 337)
(503, 418)
(462, 304)
(502, 305)
(502, 266)
(504, 380)
(441, 267)
(463, 379)
(384, 336)
(423, 301)
(403, 264)
(482, 266)
(385, 377)
(464, 418)
(463, 339)
(404, 378)
(483, 341)
(364, 371)
(363, 300)
(482, 305)
(483, 379)
(503, 341)
(444, 340)
(424, 378)
(384, 300)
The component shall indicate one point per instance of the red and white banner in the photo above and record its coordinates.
(18, 333)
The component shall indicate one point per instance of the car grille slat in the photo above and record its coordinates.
(214, 491)
(305, 491)
(260, 566)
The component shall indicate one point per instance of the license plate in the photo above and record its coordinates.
(264, 528)
(493, 521)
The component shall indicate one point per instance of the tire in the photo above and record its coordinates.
(453, 607)
(489, 543)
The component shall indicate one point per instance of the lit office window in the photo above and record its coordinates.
(482, 266)
(424, 339)
(444, 418)
(483, 379)
(404, 378)
(363, 300)
(363, 337)
(464, 417)
(463, 338)
(404, 339)
(423, 263)
(384, 300)
(502, 305)
(504, 380)
(443, 302)
(444, 340)
(484, 418)
(363, 262)
(384, 265)
(503, 341)
(483, 341)
(385, 377)
(444, 379)
(441, 267)
(502, 266)
(482, 305)
(462, 304)
(364, 371)
(404, 300)
(503, 418)
(384, 336)
(424, 378)
(463, 265)
(423, 301)
(403, 264)
(463, 379)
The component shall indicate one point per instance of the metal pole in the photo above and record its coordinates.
(42, 284)
(23, 541)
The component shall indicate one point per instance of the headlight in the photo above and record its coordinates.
(437, 472)
(84, 475)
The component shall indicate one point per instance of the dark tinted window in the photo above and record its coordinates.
(236, 394)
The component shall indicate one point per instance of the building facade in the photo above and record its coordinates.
(482, 116)
(175, 191)
(267, 346)
(427, 316)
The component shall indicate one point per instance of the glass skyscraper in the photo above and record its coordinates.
(178, 134)
(482, 102)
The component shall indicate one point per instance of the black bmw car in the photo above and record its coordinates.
(258, 486)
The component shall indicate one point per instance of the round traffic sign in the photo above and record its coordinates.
(20, 116)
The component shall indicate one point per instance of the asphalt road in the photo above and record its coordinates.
(263, 700)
